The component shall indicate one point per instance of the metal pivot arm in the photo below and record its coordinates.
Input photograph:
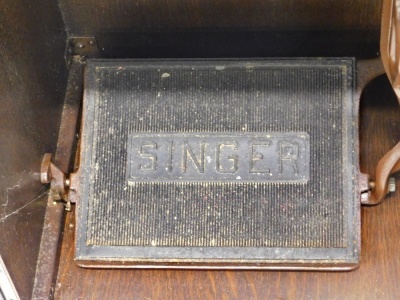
(59, 184)
(390, 54)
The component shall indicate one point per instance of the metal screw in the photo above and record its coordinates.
(67, 182)
(80, 45)
(392, 184)
(371, 185)
(92, 43)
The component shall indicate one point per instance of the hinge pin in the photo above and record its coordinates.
(392, 184)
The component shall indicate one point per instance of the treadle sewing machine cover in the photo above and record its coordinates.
(219, 164)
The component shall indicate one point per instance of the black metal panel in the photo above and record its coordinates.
(215, 221)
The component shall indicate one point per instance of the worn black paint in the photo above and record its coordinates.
(216, 220)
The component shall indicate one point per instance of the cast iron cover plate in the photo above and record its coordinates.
(234, 164)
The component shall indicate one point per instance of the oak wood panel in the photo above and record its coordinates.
(377, 277)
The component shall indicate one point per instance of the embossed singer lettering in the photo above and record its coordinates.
(144, 153)
(289, 154)
(198, 162)
(251, 156)
(257, 157)
(222, 147)
(225, 161)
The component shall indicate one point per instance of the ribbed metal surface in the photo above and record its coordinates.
(224, 97)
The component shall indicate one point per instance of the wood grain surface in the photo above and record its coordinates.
(32, 85)
(377, 278)
(95, 16)
(226, 28)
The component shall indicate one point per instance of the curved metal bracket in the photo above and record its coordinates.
(390, 54)
(59, 184)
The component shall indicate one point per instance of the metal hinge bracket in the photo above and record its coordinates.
(59, 181)
(85, 46)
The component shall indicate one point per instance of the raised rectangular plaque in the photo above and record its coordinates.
(204, 163)
(219, 157)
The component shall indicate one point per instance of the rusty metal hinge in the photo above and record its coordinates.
(84, 46)
(60, 184)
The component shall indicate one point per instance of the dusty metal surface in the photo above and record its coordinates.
(47, 264)
(150, 223)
